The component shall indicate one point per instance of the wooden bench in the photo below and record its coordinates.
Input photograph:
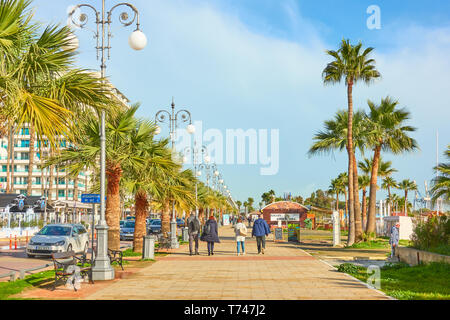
(61, 263)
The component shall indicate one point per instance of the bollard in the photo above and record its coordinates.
(10, 242)
(15, 242)
(185, 234)
(148, 249)
(27, 238)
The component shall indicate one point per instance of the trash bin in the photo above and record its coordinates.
(148, 250)
(185, 234)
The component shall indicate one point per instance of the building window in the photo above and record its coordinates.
(61, 193)
(25, 144)
(38, 180)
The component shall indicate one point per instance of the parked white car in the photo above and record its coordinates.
(58, 238)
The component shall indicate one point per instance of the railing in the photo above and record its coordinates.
(13, 276)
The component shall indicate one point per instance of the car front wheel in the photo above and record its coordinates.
(30, 256)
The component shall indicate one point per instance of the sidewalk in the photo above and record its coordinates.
(285, 272)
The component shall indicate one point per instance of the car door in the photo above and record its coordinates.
(76, 236)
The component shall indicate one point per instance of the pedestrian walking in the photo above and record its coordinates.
(260, 231)
(394, 238)
(249, 219)
(241, 232)
(210, 234)
(193, 224)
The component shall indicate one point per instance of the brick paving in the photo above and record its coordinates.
(285, 272)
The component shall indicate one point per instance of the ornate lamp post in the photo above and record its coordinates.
(185, 116)
(102, 269)
(195, 151)
(210, 170)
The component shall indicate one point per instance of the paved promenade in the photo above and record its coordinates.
(284, 272)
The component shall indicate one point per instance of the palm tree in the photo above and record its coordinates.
(335, 137)
(143, 181)
(336, 187)
(388, 184)
(388, 132)
(364, 182)
(38, 82)
(407, 185)
(441, 184)
(250, 202)
(239, 204)
(121, 151)
(352, 65)
(343, 182)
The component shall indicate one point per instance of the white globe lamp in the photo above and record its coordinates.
(191, 129)
(216, 173)
(199, 173)
(158, 130)
(137, 40)
(207, 159)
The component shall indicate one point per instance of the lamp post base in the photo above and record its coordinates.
(102, 269)
(173, 235)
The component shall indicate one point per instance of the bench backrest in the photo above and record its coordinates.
(63, 255)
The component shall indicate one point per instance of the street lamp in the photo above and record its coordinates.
(102, 269)
(195, 153)
(208, 168)
(172, 117)
(161, 117)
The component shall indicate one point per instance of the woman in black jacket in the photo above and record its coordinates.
(210, 234)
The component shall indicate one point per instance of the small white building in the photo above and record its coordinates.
(406, 226)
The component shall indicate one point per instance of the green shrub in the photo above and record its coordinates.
(432, 234)
(350, 268)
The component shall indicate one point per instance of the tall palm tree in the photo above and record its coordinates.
(407, 185)
(441, 184)
(388, 132)
(343, 182)
(239, 204)
(121, 146)
(336, 188)
(335, 137)
(142, 182)
(351, 64)
(364, 182)
(388, 184)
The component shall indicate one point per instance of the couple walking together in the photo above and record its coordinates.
(210, 234)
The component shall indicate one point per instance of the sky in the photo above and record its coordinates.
(257, 64)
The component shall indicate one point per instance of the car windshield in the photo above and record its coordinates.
(156, 222)
(55, 231)
(129, 224)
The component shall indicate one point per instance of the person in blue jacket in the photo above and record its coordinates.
(260, 231)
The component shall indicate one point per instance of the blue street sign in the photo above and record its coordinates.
(90, 198)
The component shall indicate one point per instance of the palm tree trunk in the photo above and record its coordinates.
(31, 161)
(364, 208)
(50, 178)
(351, 196)
(371, 218)
(112, 211)
(165, 219)
(346, 206)
(75, 189)
(390, 199)
(140, 228)
(406, 202)
(8, 161)
(358, 223)
(337, 201)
